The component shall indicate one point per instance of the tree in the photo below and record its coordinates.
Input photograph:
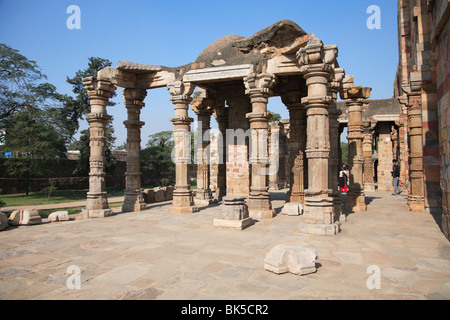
(18, 78)
(75, 108)
(36, 145)
(156, 159)
(162, 139)
(275, 117)
(22, 89)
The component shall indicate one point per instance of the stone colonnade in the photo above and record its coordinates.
(313, 150)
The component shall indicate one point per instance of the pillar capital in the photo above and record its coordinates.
(259, 85)
(134, 96)
(316, 53)
(99, 88)
(181, 91)
(356, 94)
(203, 106)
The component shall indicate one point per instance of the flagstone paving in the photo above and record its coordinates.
(157, 255)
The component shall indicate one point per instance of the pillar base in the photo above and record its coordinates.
(319, 229)
(319, 217)
(369, 187)
(93, 214)
(233, 224)
(134, 202)
(204, 202)
(203, 198)
(132, 207)
(261, 214)
(356, 201)
(183, 210)
(260, 206)
(416, 204)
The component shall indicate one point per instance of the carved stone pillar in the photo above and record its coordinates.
(133, 200)
(258, 88)
(99, 93)
(316, 62)
(183, 202)
(335, 159)
(369, 183)
(416, 198)
(203, 108)
(297, 146)
(355, 97)
(221, 115)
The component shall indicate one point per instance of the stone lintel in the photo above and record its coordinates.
(219, 73)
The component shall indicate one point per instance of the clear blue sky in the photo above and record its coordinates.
(174, 33)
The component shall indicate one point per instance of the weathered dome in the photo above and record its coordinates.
(236, 50)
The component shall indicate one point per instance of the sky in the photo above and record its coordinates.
(173, 33)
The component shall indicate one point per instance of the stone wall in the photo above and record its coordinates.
(442, 50)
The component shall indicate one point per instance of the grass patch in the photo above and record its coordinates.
(58, 196)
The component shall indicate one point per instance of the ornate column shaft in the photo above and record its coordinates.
(183, 202)
(99, 92)
(134, 200)
(203, 108)
(297, 146)
(355, 97)
(416, 198)
(369, 183)
(334, 162)
(221, 115)
(258, 88)
(316, 62)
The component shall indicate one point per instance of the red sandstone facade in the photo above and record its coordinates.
(422, 85)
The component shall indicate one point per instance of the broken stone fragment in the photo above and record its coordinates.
(290, 258)
(3, 221)
(292, 209)
(25, 217)
(59, 216)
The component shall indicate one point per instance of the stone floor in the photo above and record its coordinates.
(156, 255)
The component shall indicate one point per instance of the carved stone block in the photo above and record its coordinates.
(290, 258)
(25, 217)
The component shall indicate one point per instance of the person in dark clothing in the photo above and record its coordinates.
(343, 179)
(395, 177)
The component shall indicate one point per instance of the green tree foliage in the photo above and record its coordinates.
(19, 79)
(275, 117)
(162, 139)
(35, 144)
(75, 108)
(156, 159)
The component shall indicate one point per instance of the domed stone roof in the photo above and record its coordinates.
(236, 50)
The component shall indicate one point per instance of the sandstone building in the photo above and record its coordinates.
(422, 86)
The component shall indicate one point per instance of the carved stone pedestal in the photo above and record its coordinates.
(319, 217)
(203, 198)
(356, 201)
(233, 214)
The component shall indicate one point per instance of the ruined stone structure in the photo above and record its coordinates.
(377, 131)
(422, 86)
(233, 79)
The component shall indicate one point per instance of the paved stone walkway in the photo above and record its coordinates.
(156, 255)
